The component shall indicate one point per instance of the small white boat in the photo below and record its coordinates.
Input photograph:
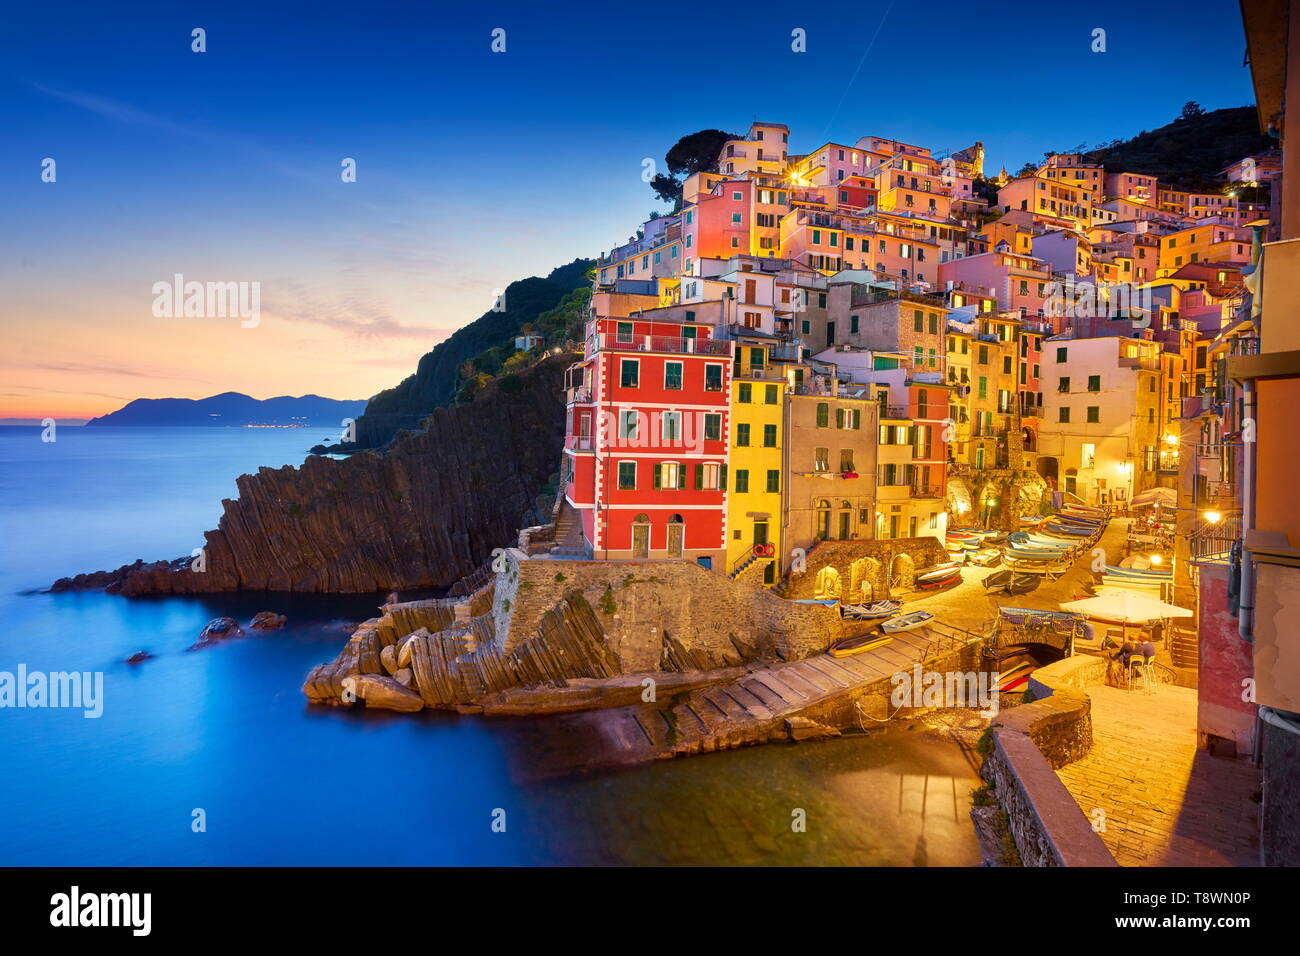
(907, 622)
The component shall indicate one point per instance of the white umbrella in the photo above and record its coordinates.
(1166, 497)
(1126, 606)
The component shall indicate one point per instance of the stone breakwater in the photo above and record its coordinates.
(423, 513)
(547, 635)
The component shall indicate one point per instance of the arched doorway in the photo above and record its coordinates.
(676, 536)
(902, 571)
(1048, 470)
(1072, 481)
(641, 536)
(864, 578)
(1028, 438)
(828, 584)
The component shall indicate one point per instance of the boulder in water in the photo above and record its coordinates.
(218, 629)
(139, 657)
(267, 621)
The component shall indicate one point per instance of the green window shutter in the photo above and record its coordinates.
(659, 476)
(699, 477)
(722, 478)
(681, 477)
(839, 417)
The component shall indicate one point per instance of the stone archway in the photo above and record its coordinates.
(864, 581)
(902, 571)
(827, 585)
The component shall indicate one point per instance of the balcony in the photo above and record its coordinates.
(582, 442)
(613, 342)
(926, 492)
(1146, 360)
(894, 412)
(581, 395)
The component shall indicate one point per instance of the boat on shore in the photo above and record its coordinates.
(1012, 582)
(938, 577)
(857, 645)
(907, 622)
(867, 612)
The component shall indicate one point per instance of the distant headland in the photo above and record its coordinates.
(235, 410)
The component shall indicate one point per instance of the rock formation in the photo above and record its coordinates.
(425, 512)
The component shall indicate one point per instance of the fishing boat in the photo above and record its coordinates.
(1012, 582)
(1015, 678)
(985, 557)
(856, 645)
(867, 612)
(825, 602)
(937, 578)
(907, 622)
(1138, 573)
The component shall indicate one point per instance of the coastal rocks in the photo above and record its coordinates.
(801, 728)
(425, 512)
(385, 693)
(139, 657)
(218, 629)
(267, 621)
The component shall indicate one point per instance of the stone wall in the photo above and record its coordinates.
(1027, 743)
(663, 615)
(867, 580)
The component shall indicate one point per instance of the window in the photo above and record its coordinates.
(773, 481)
(673, 376)
(670, 474)
(624, 334)
(918, 321)
(707, 476)
(743, 393)
(627, 475)
(671, 426)
(769, 436)
(770, 394)
(742, 480)
(713, 427)
(1094, 383)
(627, 424)
(823, 415)
(712, 378)
(1064, 414)
(984, 355)
(1094, 413)
(742, 436)
(846, 461)
(1060, 354)
(821, 459)
(1063, 385)
(630, 373)
(1006, 365)
(853, 323)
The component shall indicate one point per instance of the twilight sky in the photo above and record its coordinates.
(473, 168)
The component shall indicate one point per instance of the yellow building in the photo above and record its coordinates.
(754, 500)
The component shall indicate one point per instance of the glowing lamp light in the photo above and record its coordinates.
(1213, 517)
(1157, 559)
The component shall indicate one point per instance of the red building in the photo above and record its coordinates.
(647, 439)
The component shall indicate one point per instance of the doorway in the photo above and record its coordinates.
(676, 536)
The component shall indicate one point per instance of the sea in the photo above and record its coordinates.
(214, 757)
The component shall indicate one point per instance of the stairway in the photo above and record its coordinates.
(1184, 647)
(569, 541)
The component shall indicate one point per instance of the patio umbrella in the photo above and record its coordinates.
(1165, 497)
(1127, 607)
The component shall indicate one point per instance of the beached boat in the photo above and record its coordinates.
(867, 612)
(985, 557)
(907, 622)
(1016, 677)
(1012, 582)
(938, 578)
(1018, 615)
(856, 645)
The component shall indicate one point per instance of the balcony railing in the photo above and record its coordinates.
(919, 491)
(1151, 362)
(578, 395)
(613, 342)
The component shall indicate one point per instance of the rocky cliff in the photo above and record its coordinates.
(423, 513)
(437, 376)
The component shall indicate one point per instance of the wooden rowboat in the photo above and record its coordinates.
(856, 645)
(907, 622)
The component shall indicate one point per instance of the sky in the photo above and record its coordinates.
(474, 168)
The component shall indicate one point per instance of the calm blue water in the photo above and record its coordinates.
(227, 730)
